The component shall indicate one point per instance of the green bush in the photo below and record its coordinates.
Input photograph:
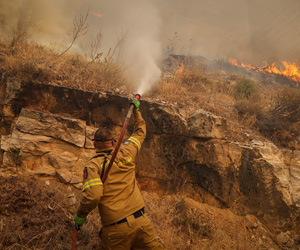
(248, 101)
(245, 89)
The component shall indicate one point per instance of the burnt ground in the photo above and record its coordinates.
(36, 214)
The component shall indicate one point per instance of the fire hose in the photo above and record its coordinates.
(137, 96)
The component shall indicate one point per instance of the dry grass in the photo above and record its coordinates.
(32, 62)
(183, 223)
(35, 214)
(193, 89)
(189, 86)
(281, 121)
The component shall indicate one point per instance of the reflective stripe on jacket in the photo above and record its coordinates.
(120, 196)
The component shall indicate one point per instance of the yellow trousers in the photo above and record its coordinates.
(135, 234)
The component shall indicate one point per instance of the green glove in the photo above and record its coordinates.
(136, 104)
(78, 221)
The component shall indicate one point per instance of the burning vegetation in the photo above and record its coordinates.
(290, 70)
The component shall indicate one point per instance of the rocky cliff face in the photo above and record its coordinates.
(47, 130)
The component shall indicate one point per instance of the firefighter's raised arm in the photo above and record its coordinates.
(133, 145)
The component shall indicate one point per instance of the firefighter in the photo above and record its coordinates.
(125, 224)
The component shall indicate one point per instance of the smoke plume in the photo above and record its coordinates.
(45, 20)
(141, 53)
(250, 31)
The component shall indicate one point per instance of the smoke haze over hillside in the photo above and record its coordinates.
(248, 30)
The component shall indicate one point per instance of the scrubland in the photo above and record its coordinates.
(270, 110)
(250, 107)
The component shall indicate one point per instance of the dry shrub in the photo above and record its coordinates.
(183, 223)
(249, 107)
(287, 105)
(169, 90)
(176, 223)
(31, 62)
(222, 87)
(282, 137)
(19, 38)
(188, 221)
(210, 94)
(113, 76)
(193, 90)
(37, 215)
(192, 77)
(282, 123)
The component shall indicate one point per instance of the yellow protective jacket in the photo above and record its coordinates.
(119, 196)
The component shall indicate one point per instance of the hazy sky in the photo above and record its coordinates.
(248, 30)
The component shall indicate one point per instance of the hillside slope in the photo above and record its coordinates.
(194, 190)
(37, 213)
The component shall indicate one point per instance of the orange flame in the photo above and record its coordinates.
(180, 69)
(96, 14)
(291, 70)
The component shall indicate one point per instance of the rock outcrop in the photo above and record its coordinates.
(48, 130)
(42, 143)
